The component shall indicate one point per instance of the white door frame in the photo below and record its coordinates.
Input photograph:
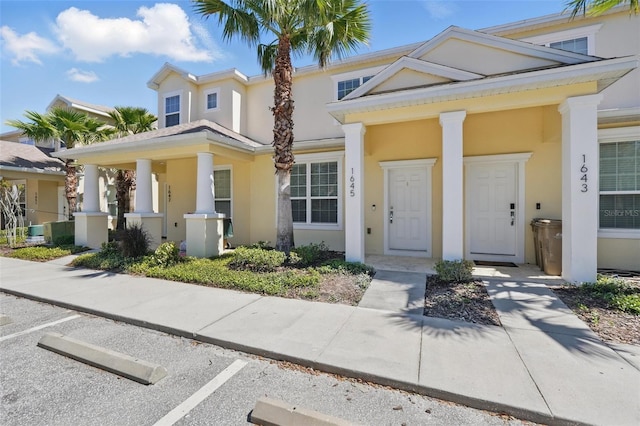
(519, 160)
(427, 165)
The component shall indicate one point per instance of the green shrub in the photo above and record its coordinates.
(342, 266)
(257, 259)
(167, 254)
(454, 270)
(311, 254)
(104, 261)
(64, 240)
(134, 241)
(266, 245)
(617, 292)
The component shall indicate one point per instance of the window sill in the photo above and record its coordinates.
(619, 233)
(317, 226)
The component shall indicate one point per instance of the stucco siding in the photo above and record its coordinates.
(618, 253)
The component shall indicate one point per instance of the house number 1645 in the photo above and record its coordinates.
(352, 185)
(583, 172)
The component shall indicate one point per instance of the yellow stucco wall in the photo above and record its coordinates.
(619, 253)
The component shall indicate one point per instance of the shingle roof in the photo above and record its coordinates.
(192, 127)
(14, 154)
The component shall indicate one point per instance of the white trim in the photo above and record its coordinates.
(164, 106)
(319, 157)
(206, 94)
(620, 234)
(619, 134)
(427, 165)
(32, 170)
(519, 159)
(588, 31)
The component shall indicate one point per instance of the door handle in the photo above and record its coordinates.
(391, 215)
(513, 217)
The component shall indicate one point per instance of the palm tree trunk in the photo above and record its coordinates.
(71, 187)
(125, 180)
(283, 142)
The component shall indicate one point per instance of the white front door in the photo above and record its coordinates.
(407, 209)
(492, 207)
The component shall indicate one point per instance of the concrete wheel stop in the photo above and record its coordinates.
(123, 365)
(4, 320)
(274, 412)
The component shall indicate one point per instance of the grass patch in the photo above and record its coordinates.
(44, 253)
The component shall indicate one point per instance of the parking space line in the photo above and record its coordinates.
(190, 403)
(39, 327)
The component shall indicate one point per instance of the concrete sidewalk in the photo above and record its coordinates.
(544, 365)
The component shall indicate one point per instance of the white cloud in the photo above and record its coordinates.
(440, 9)
(81, 76)
(163, 30)
(25, 48)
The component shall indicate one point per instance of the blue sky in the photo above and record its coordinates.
(104, 52)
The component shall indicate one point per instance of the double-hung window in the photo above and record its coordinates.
(222, 189)
(577, 40)
(620, 185)
(575, 45)
(316, 188)
(171, 110)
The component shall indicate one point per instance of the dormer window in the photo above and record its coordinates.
(211, 99)
(171, 110)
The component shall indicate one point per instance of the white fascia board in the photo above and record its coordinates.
(32, 170)
(542, 21)
(516, 46)
(416, 65)
(167, 68)
(611, 68)
(354, 60)
(155, 143)
(306, 145)
(222, 75)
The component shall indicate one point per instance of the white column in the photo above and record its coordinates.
(91, 196)
(144, 190)
(354, 191)
(205, 197)
(580, 188)
(452, 185)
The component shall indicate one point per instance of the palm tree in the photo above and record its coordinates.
(69, 127)
(127, 121)
(321, 28)
(598, 7)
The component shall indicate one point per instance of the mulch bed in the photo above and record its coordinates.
(611, 325)
(468, 302)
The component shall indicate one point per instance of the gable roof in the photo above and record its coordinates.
(449, 58)
(168, 69)
(15, 156)
(80, 105)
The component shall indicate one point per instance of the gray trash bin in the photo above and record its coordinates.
(548, 235)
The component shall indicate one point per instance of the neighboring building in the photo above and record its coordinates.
(443, 149)
(39, 179)
(39, 213)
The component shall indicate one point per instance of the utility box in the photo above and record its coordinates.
(547, 237)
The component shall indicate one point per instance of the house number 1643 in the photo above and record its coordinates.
(583, 175)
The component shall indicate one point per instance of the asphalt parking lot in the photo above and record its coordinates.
(39, 387)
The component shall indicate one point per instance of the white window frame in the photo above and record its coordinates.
(589, 32)
(336, 78)
(215, 197)
(622, 134)
(208, 92)
(321, 157)
(164, 106)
